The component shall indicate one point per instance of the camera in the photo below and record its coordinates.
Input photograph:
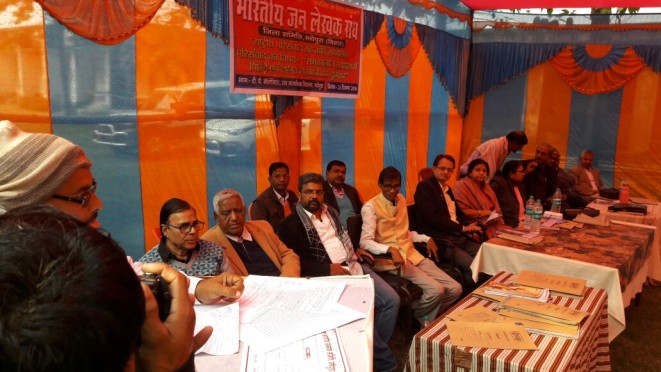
(159, 288)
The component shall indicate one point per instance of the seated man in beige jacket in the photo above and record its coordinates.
(251, 247)
(386, 230)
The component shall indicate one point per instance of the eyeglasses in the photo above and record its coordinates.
(187, 227)
(313, 192)
(392, 187)
(445, 169)
(84, 198)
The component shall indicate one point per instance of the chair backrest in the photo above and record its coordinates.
(425, 173)
(354, 228)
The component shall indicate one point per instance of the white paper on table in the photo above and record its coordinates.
(262, 293)
(278, 327)
(224, 318)
(551, 221)
(321, 352)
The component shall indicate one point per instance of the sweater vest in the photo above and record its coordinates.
(392, 226)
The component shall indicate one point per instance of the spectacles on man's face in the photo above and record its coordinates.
(188, 227)
(445, 169)
(310, 192)
(389, 187)
(84, 198)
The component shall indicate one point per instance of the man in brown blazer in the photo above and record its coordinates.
(251, 246)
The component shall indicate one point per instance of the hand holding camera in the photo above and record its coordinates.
(159, 288)
(169, 343)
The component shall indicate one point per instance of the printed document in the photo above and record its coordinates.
(321, 352)
(278, 311)
(224, 318)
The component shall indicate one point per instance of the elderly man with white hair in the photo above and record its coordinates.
(250, 246)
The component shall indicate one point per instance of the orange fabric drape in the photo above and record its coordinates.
(289, 143)
(103, 21)
(398, 61)
(370, 111)
(172, 144)
(638, 150)
(596, 82)
(548, 106)
(24, 92)
(430, 4)
(266, 140)
(311, 135)
(420, 87)
(472, 129)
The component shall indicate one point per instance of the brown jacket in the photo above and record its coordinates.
(267, 207)
(284, 258)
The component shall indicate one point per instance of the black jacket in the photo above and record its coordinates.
(432, 214)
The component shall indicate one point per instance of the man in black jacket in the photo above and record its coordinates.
(276, 202)
(439, 217)
(339, 195)
(315, 233)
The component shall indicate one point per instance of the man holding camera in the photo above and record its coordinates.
(38, 168)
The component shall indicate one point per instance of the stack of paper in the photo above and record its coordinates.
(519, 236)
(490, 335)
(536, 324)
(519, 291)
(545, 311)
(559, 285)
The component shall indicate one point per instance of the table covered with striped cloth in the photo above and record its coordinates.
(432, 350)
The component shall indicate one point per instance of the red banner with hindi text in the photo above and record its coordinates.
(296, 47)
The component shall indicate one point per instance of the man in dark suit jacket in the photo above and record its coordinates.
(339, 195)
(314, 232)
(438, 216)
(542, 182)
(276, 202)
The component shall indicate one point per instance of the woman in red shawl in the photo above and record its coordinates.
(477, 199)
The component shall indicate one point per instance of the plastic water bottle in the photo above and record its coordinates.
(536, 221)
(557, 201)
(624, 191)
(530, 204)
(425, 321)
